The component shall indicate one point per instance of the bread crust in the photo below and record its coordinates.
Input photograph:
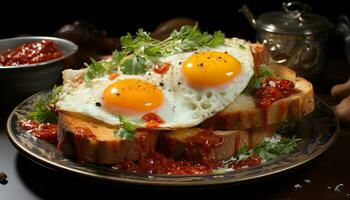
(89, 140)
(244, 114)
(179, 144)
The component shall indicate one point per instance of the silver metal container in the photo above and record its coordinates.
(295, 37)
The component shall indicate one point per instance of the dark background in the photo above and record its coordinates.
(120, 17)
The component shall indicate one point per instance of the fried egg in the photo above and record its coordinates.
(195, 87)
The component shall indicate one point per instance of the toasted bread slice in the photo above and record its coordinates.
(244, 114)
(197, 144)
(93, 141)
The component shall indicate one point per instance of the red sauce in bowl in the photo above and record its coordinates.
(31, 53)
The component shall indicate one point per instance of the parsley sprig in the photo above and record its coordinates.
(269, 149)
(142, 51)
(189, 38)
(99, 68)
(255, 81)
(127, 129)
(43, 108)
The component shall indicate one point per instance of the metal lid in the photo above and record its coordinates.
(295, 19)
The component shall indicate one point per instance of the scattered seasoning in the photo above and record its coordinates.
(161, 84)
(329, 187)
(180, 63)
(98, 104)
(3, 177)
(179, 83)
(339, 187)
(297, 186)
(201, 64)
(226, 52)
(307, 181)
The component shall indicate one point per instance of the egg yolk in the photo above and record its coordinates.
(132, 96)
(210, 69)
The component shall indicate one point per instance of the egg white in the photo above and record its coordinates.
(183, 106)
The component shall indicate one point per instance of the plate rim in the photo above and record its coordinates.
(152, 182)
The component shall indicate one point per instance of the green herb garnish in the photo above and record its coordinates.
(265, 72)
(269, 149)
(53, 97)
(241, 46)
(255, 81)
(127, 129)
(43, 108)
(134, 66)
(243, 150)
(142, 51)
(189, 38)
(42, 112)
(100, 68)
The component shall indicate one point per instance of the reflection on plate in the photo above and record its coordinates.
(317, 131)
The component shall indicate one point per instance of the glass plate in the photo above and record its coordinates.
(318, 131)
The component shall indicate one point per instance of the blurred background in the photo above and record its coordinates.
(120, 17)
(44, 18)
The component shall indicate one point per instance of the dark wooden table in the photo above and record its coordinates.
(29, 180)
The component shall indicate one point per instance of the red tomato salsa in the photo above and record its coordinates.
(273, 89)
(31, 53)
(157, 163)
(45, 131)
(152, 120)
(161, 68)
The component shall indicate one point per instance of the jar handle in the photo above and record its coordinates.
(299, 9)
(308, 58)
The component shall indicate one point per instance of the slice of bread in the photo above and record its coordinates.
(244, 114)
(90, 140)
(203, 144)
